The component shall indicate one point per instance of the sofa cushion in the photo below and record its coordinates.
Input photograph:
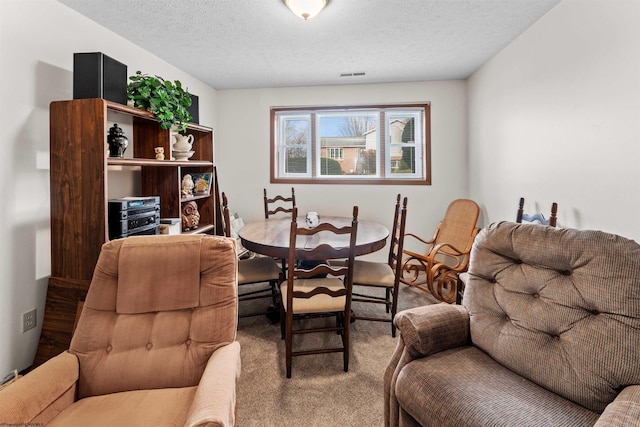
(464, 387)
(165, 407)
(559, 307)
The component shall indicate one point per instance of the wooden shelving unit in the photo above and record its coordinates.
(79, 198)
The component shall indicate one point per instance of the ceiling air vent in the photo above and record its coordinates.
(361, 73)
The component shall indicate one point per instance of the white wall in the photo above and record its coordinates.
(37, 42)
(242, 148)
(556, 117)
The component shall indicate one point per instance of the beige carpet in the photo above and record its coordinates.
(319, 393)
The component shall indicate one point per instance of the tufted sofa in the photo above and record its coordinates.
(154, 346)
(548, 335)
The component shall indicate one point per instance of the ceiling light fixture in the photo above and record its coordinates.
(306, 9)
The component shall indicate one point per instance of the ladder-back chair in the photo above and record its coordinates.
(320, 291)
(383, 275)
(254, 270)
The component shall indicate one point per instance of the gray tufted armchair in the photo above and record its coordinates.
(548, 335)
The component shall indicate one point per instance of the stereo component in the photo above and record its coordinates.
(132, 216)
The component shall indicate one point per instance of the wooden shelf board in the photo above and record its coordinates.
(113, 161)
(148, 115)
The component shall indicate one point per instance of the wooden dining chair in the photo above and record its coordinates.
(383, 275)
(278, 204)
(521, 216)
(255, 270)
(323, 290)
(436, 269)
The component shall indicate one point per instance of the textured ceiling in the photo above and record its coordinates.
(232, 44)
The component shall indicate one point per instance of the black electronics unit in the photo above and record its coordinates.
(95, 75)
(133, 216)
(194, 109)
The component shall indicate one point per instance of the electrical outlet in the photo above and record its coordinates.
(28, 320)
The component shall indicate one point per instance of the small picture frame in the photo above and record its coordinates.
(201, 184)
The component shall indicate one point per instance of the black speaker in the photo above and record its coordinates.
(194, 109)
(95, 75)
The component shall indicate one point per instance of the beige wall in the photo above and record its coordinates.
(556, 117)
(242, 147)
(37, 42)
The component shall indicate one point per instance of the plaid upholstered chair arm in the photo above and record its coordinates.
(424, 331)
(37, 398)
(215, 401)
(623, 411)
(433, 328)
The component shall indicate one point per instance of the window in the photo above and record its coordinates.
(360, 144)
(334, 153)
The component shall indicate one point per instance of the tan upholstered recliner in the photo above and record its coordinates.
(548, 335)
(154, 346)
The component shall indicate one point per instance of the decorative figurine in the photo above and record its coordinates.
(313, 219)
(187, 186)
(159, 153)
(117, 141)
(190, 216)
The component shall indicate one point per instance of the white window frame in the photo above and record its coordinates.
(283, 147)
(335, 153)
(390, 116)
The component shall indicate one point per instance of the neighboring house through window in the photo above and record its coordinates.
(360, 144)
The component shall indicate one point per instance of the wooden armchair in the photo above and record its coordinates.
(435, 270)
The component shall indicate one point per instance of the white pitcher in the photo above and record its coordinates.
(183, 142)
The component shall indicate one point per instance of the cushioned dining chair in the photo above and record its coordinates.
(278, 204)
(521, 216)
(155, 343)
(383, 275)
(255, 270)
(323, 290)
(436, 268)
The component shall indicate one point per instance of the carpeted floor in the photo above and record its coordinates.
(319, 393)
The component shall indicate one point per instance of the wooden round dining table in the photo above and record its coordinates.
(271, 236)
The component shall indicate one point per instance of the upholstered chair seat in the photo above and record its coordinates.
(320, 303)
(373, 273)
(259, 269)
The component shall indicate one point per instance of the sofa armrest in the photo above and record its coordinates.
(215, 401)
(423, 331)
(433, 328)
(623, 411)
(42, 394)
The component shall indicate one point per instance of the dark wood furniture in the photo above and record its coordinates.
(278, 203)
(81, 171)
(322, 290)
(552, 221)
(254, 270)
(378, 276)
(271, 236)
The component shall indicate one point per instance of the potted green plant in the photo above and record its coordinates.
(167, 100)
